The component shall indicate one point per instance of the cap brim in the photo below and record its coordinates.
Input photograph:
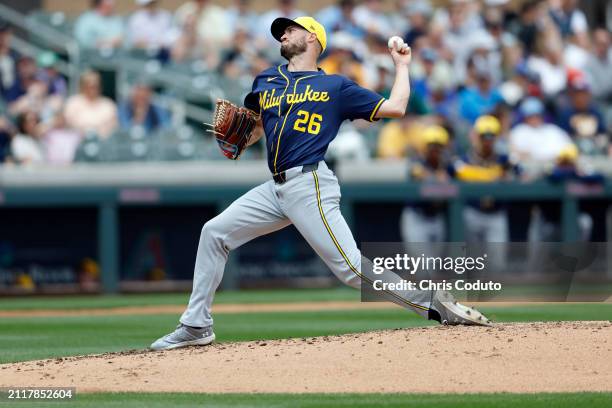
(279, 26)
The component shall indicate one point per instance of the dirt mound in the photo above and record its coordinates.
(531, 357)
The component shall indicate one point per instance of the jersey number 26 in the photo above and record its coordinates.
(306, 119)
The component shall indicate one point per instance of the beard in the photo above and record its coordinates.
(289, 50)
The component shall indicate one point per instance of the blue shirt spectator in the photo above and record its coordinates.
(339, 17)
(99, 27)
(480, 99)
(26, 75)
(139, 111)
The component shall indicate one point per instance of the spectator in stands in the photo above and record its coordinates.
(89, 111)
(485, 219)
(401, 138)
(241, 17)
(570, 21)
(60, 142)
(523, 83)
(150, 28)
(508, 11)
(371, 18)
(100, 27)
(341, 59)
(349, 145)
(427, 68)
(26, 76)
(591, 219)
(438, 87)
(339, 17)
(459, 16)
(56, 84)
(533, 139)
(599, 66)
(480, 98)
(459, 37)
(528, 25)
(139, 110)
(206, 30)
(418, 14)
(548, 63)
(45, 89)
(285, 8)
(8, 61)
(582, 120)
(241, 59)
(25, 145)
(37, 99)
(6, 132)
(425, 221)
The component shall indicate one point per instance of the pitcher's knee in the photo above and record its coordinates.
(211, 232)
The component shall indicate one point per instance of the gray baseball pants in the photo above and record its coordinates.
(311, 202)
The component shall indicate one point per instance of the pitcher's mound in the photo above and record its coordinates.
(531, 357)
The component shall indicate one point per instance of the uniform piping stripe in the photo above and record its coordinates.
(285, 120)
(286, 86)
(376, 109)
(333, 237)
(281, 99)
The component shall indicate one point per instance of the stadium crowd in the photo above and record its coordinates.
(495, 84)
(539, 68)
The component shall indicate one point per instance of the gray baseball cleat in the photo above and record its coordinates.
(184, 336)
(454, 313)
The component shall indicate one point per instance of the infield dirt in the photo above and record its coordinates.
(518, 358)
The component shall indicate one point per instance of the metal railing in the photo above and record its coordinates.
(74, 65)
(54, 37)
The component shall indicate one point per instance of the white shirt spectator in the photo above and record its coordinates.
(151, 29)
(579, 22)
(372, 21)
(26, 149)
(266, 19)
(575, 56)
(539, 143)
(244, 20)
(211, 22)
(86, 115)
(553, 77)
(7, 71)
(94, 30)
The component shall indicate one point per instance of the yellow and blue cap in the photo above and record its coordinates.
(569, 153)
(487, 125)
(307, 23)
(435, 135)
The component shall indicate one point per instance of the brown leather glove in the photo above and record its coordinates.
(233, 126)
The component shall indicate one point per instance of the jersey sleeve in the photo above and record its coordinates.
(357, 102)
(251, 100)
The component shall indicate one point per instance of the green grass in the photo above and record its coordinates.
(37, 337)
(110, 301)
(153, 400)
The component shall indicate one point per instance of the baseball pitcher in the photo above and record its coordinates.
(301, 109)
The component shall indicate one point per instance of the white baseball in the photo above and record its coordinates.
(396, 43)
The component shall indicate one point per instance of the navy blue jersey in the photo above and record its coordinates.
(302, 112)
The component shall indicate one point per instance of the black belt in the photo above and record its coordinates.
(280, 178)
